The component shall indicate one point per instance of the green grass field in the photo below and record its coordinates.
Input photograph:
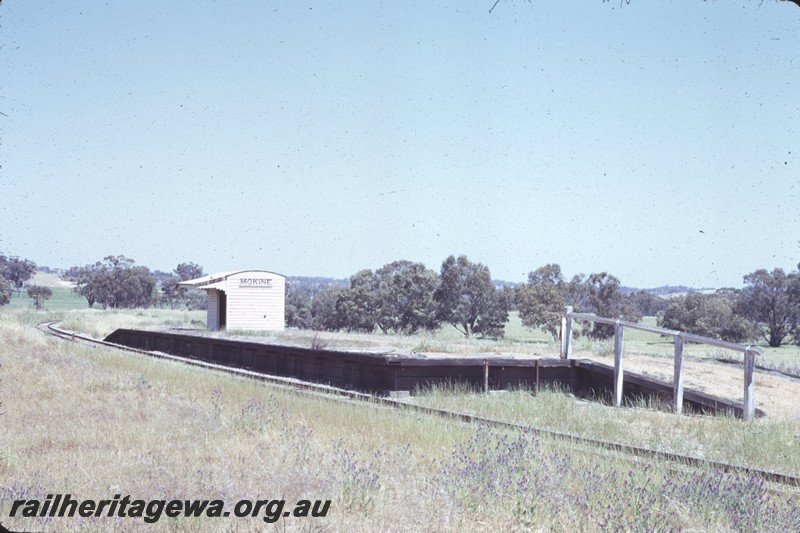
(63, 299)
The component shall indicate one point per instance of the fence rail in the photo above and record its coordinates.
(680, 339)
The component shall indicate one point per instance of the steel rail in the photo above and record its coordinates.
(335, 393)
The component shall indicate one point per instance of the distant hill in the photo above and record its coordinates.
(666, 291)
(499, 283)
(314, 284)
(48, 270)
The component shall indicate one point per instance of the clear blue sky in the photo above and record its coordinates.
(658, 141)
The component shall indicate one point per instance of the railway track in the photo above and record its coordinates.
(338, 394)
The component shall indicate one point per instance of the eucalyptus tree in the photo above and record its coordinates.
(712, 315)
(5, 290)
(468, 299)
(772, 300)
(604, 298)
(396, 298)
(39, 295)
(114, 282)
(541, 301)
(181, 296)
(17, 271)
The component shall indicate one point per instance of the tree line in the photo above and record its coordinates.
(14, 272)
(117, 282)
(766, 309)
(406, 297)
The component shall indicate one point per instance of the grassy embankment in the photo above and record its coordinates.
(96, 422)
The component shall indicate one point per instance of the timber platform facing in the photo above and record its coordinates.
(382, 373)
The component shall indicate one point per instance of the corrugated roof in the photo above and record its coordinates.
(212, 280)
(205, 280)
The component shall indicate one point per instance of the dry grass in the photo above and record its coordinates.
(767, 444)
(99, 323)
(95, 422)
(774, 394)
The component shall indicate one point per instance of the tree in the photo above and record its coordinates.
(114, 283)
(711, 315)
(14, 272)
(541, 301)
(604, 298)
(357, 306)
(648, 304)
(324, 314)
(404, 292)
(794, 296)
(177, 296)
(17, 270)
(772, 300)
(397, 298)
(187, 271)
(39, 294)
(5, 290)
(89, 282)
(301, 293)
(171, 292)
(132, 286)
(468, 300)
(298, 307)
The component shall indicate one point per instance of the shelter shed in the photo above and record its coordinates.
(250, 300)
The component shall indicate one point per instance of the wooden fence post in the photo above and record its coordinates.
(566, 333)
(749, 411)
(677, 379)
(618, 377)
(486, 376)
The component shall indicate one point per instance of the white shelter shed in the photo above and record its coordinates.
(243, 300)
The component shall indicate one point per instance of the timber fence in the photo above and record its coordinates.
(680, 339)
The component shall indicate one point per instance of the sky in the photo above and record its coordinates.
(656, 141)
